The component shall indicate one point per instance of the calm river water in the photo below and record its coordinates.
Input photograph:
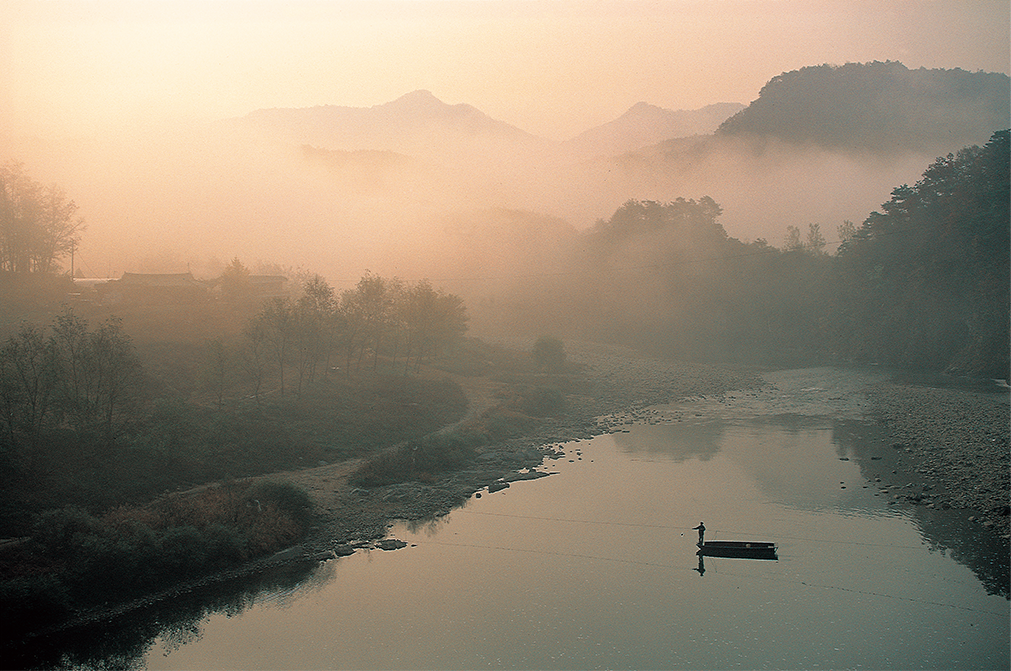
(596, 566)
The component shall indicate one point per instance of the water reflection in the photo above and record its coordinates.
(596, 567)
(671, 441)
(124, 642)
(701, 569)
(943, 531)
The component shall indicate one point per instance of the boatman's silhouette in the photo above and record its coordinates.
(702, 532)
(702, 565)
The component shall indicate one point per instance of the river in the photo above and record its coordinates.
(596, 565)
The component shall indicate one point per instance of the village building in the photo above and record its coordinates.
(154, 289)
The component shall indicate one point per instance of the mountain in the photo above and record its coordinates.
(877, 106)
(644, 124)
(416, 122)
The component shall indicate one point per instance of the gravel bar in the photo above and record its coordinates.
(957, 441)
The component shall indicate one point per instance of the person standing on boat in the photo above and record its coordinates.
(702, 532)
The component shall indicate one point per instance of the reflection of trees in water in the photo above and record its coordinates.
(942, 530)
(123, 642)
(680, 441)
(430, 526)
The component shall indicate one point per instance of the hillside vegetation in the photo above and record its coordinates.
(922, 283)
(877, 106)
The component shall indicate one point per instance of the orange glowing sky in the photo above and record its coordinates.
(83, 67)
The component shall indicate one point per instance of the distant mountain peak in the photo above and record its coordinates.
(414, 123)
(420, 93)
(641, 107)
(423, 103)
(644, 124)
(417, 98)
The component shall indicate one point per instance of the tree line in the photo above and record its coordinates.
(926, 280)
(318, 331)
(89, 381)
(38, 227)
(923, 283)
(76, 379)
(875, 107)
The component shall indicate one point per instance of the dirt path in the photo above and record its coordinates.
(328, 484)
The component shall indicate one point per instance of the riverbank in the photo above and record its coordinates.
(613, 380)
(954, 441)
(932, 428)
(958, 442)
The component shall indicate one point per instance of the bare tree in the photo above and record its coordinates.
(37, 224)
(815, 243)
(57, 229)
(217, 369)
(27, 392)
(314, 314)
(254, 355)
(97, 371)
(278, 322)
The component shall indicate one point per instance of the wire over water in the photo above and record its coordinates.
(712, 531)
(774, 578)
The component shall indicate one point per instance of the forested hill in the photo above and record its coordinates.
(926, 278)
(878, 106)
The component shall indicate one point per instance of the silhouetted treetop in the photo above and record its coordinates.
(877, 106)
(689, 220)
(934, 264)
(38, 226)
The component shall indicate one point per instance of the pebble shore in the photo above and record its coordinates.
(958, 442)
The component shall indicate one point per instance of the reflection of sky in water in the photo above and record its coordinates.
(795, 460)
(595, 567)
(673, 441)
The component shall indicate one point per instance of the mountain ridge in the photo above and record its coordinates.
(644, 125)
(390, 125)
(877, 106)
(412, 122)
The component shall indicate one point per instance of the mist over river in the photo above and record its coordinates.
(596, 565)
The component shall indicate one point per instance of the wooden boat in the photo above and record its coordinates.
(739, 549)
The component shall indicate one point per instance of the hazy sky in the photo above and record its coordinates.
(81, 67)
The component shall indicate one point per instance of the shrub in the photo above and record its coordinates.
(224, 546)
(418, 460)
(385, 468)
(183, 551)
(270, 530)
(214, 504)
(61, 532)
(286, 497)
(442, 452)
(128, 518)
(541, 401)
(549, 353)
(28, 602)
